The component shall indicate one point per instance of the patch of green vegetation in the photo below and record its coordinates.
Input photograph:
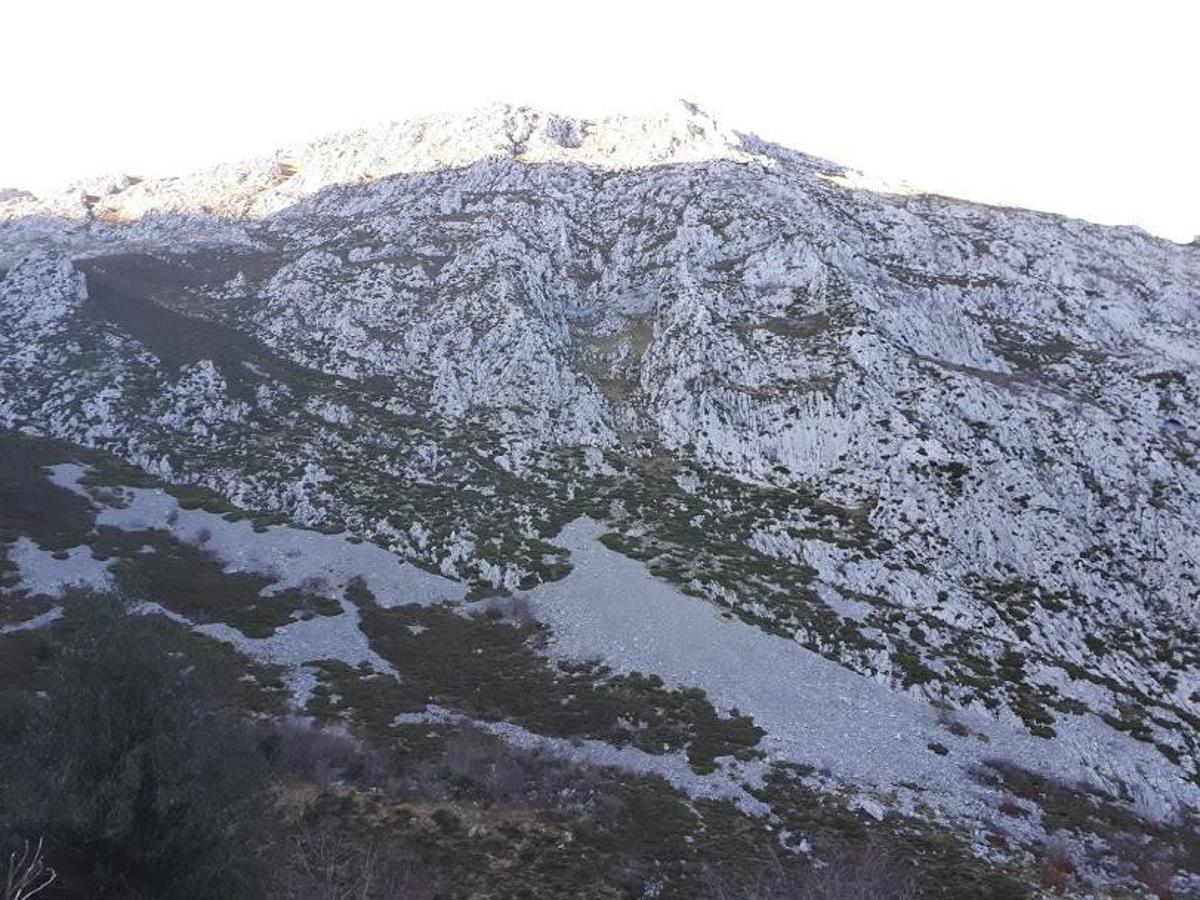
(31, 505)
(154, 565)
(104, 470)
(941, 863)
(490, 669)
(908, 660)
(1085, 810)
(1030, 707)
(618, 543)
(192, 496)
(499, 822)
(955, 473)
(27, 658)
(1132, 718)
(16, 608)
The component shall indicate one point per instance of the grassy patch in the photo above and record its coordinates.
(27, 658)
(154, 565)
(31, 505)
(491, 669)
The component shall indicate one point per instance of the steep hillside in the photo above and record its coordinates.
(949, 447)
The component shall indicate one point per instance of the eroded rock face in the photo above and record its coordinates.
(261, 187)
(951, 446)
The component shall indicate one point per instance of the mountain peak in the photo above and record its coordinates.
(259, 186)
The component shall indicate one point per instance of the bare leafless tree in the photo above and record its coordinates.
(327, 863)
(329, 866)
(867, 873)
(27, 873)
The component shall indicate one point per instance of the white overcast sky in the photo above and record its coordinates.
(1086, 108)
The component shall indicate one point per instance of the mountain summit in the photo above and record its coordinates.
(259, 187)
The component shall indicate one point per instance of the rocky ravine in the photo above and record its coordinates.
(949, 446)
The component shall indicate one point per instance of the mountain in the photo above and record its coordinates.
(851, 460)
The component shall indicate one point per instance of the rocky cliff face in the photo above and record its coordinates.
(950, 446)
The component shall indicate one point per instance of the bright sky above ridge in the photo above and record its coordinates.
(1087, 109)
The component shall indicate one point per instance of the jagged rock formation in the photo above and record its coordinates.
(951, 446)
